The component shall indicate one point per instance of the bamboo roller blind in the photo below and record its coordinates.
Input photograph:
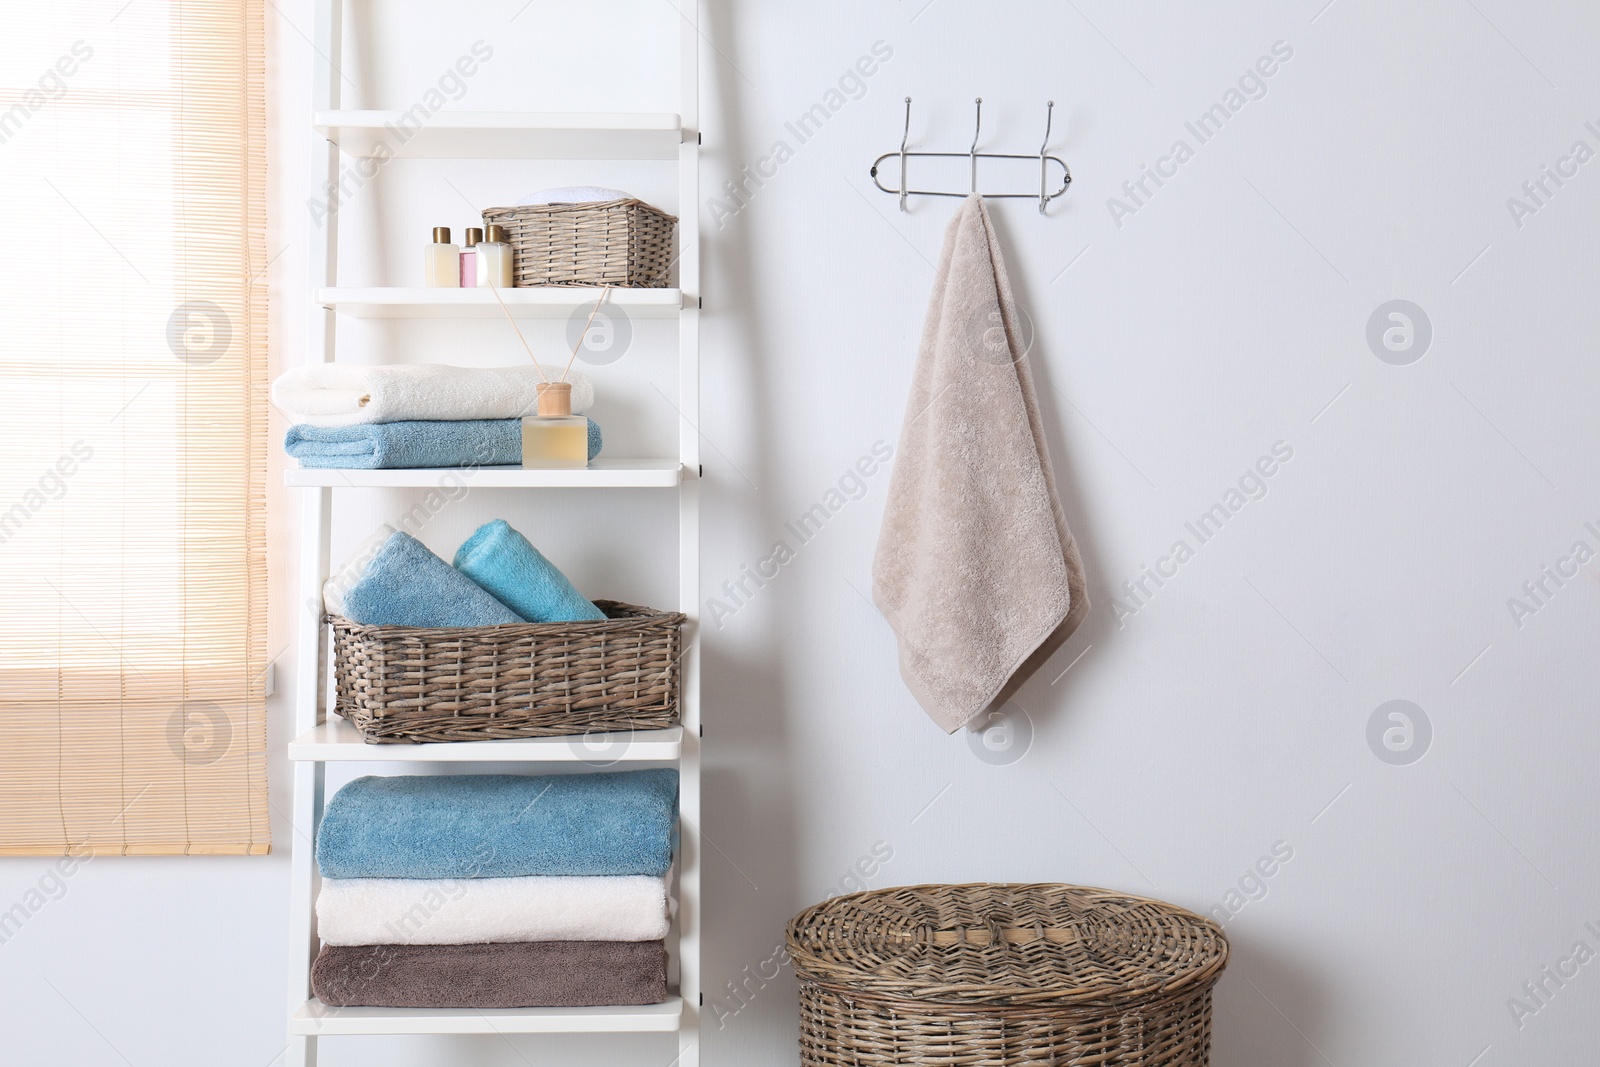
(133, 416)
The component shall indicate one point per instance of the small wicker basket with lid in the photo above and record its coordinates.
(992, 975)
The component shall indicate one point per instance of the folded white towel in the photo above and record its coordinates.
(469, 911)
(574, 194)
(338, 394)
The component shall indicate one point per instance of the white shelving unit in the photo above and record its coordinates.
(336, 739)
(313, 1021)
(601, 474)
(319, 738)
(505, 134)
(550, 303)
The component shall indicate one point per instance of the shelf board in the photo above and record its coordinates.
(504, 134)
(549, 302)
(600, 474)
(336, 739)
(314, 1018)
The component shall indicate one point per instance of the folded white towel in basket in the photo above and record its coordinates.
(574, 194)
(339, 394)
(469, 911)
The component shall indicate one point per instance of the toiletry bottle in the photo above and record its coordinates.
(555, 437)
(494, 259)
(443, 262)
(469, 258)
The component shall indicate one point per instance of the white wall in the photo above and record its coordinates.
(1175, 346)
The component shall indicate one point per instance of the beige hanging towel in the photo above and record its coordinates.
(975, 569)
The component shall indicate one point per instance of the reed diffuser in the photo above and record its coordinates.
(554, 438)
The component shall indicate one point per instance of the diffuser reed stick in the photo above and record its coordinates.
(582, 336)
(495, 289)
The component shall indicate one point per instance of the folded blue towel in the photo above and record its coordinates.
(500, 825)
(382, 445)
(406, 585)
(503, 562)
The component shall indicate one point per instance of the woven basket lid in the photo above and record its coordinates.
(992, 944)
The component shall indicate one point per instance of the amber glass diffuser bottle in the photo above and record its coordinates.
(555, 437)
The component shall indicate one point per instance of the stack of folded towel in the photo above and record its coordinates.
(498, 577)
(416, 415)
(496, 891)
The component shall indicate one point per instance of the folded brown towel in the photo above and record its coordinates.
(976, 569)
(524, 974)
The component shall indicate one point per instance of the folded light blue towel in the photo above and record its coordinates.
(383, 445)
(406, 585)
(500, 825)
(503, 562)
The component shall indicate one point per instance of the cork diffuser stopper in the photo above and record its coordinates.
(555, 398)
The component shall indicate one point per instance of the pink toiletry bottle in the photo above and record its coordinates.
(469, 258)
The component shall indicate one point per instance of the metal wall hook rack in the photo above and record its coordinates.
(1044, 195)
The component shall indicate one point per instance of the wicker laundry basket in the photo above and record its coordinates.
(403, 683)
(1004, 975)
(625, 243)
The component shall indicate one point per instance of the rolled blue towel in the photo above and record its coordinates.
(387, 445)
(500, 825)
(406, 585)
(503, 561)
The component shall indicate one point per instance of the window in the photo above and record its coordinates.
(133, 416)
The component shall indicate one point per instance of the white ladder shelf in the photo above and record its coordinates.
(319, 737)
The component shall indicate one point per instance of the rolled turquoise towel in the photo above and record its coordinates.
(500, 825)
(503, 561)
(391, 445)
(406, 585)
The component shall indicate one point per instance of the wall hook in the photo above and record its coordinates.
(972, 155)
(1049, 116)
(904, 136)
(977, 124)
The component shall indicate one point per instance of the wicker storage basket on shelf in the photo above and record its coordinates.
(625, 243)
(1002, 976)
(402, 683)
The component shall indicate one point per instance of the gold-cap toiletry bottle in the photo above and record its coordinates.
(555, 437)
(494, 258)
(442, 268)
